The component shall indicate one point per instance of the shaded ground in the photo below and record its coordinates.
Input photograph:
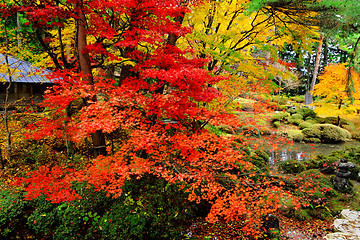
(292, 229)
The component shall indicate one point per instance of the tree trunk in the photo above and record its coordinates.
(6, 103)
(350, 89)
(317, 63)
(98, 137)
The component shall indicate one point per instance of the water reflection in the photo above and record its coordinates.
(303, 151)
(286, 154)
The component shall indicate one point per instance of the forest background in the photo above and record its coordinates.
(127, 143)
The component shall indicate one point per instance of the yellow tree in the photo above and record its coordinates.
(332, 87)
(235, 37)
(242, 40)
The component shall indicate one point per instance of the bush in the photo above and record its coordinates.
(11, 214)
(295, 135)
(348, 125)
(298, 121)
(305, 124)
(331, 133)
(297, 116)
(292, 166)
(149, 208)
(298, 99)
(280, 116)
(312, 132)
(305, 112)
(281, 100)
(328, 133)
(276, 124)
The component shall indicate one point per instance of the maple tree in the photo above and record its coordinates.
(120, 73)
(332, 87)
(125, 74)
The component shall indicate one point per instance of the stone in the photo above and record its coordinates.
(308, 98)
(341, 181)
(272, 226)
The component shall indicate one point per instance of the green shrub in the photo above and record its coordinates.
(348, 125)
(297, 116)
(298, 121)
(312, 132)
(279, 116)
(149, 208)
(333, 134)
(292, 166)
(311, 120)
(11, 214)
(305, 112)
(305, 124)
(281, 100)
(295, 135)
(298, 99)
(277, 124)
(328, 133)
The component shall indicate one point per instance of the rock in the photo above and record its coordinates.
(272, 226)
(341, 184)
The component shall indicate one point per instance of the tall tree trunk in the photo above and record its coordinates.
(6, 102)
(18, 30)
(326, 52)
(317, 63)
(350, 82)
(98, 137)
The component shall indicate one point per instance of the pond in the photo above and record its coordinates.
(303, 151)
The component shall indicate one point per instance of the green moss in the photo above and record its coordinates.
(298, 99)
(356, 134)
(276, 124)
(305, 124)
(295, 135)
(302, 215)
(312, 140)
(298, 121)
(311, 120)
(311, 164)
(306, 112)
(226, 129)
(279, 99)
(297, 116)
(312, 132)
(292, 166)
(333, 134)
(328, 133)
(280, 116)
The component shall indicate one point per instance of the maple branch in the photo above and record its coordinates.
(47, 49)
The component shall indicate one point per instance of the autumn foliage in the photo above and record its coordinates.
(126, 76)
